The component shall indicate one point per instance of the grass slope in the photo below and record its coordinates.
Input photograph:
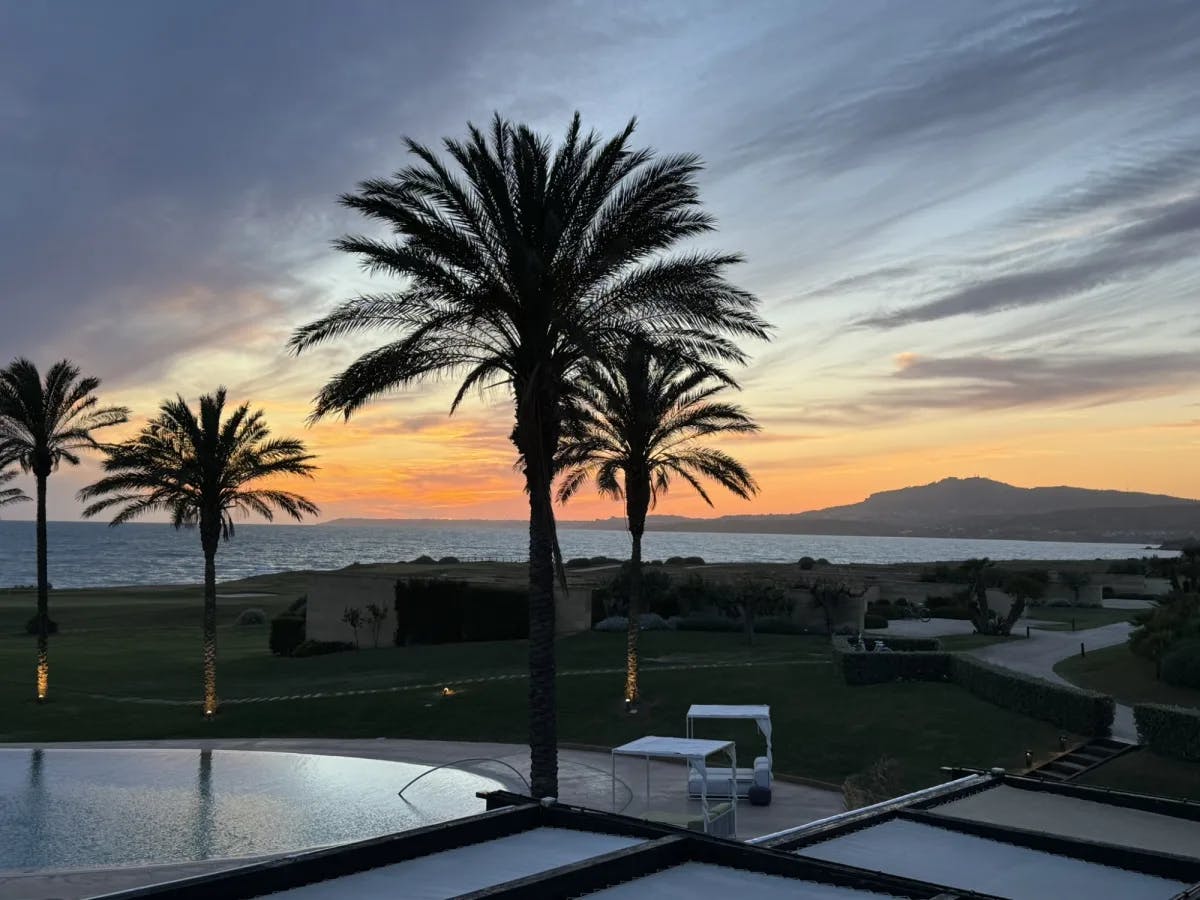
(1129, 678)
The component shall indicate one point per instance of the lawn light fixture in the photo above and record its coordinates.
(1028, 759)
(43, 676)
(448, 692)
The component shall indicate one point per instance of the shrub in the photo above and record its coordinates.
(612, 623)
(913, 643)
(866, 667)
(1169, 730)
(320, 648)
(251, 616)
(1072, 708)
(1181, 664)
(657, 596)
(807, 562)
(448, 561)
(423, 560)
(441, 611)
(874, 620)
(652, 622)
(299, 605)
(31, 627)
(822, 561)
(287, 633)
(882, 780)
(685, 560)
(707, 623)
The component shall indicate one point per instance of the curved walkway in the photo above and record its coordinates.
(1038, 654)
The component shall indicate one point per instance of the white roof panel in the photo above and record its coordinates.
(926, 853)
(1083, 819)
(691, 880)
(671, 747)
(718, 711)
(464, 869)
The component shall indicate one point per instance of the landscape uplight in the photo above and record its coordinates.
(43, 675)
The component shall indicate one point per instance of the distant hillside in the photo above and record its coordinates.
(974, 508)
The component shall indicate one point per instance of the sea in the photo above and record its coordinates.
(92, 554)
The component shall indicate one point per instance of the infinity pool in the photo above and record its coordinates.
(66, 809)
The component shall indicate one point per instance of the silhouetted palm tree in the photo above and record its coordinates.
(636, 428)
(42, 425)
(10, 495)
(201, 470)
(520, 266)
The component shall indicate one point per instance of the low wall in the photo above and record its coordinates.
(329, 594)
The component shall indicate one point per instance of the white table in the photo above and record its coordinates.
(694, 751)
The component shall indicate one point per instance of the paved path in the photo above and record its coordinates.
(1038, 654)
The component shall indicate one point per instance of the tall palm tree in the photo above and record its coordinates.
(10, 495)
(637, 427)
(44, 423)
(519, 264)
(201, 470)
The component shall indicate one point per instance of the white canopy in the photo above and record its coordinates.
(761, 714)
(672, 747)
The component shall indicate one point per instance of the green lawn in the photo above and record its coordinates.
(1129, 678)
(1148, 773)
(1084, 616)
(147, 644)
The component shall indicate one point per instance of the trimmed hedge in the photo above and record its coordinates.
(321, 648)
(869, 667)
(1181, 664)
(1083, 712)
(913, 643)
(287, 633)
(871, 620)
(441, 611)
(1169, 730)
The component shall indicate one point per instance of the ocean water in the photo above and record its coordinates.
(91, 554)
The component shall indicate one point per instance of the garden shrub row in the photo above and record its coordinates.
(1075, 709)
(444, 611)
(287, 633)
(1169, 730)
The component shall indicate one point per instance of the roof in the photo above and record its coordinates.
(672, 747)
(718, 711)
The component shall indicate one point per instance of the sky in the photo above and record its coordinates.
(973, 225)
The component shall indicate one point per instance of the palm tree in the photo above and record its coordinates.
(636, 428)
(519, 265)
(201, 470)
(42, 425)
(10, 495)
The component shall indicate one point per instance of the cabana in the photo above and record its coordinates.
(755, 784)
(719, 819)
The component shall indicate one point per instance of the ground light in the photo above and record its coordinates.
(43, 675)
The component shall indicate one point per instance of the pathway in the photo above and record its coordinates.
(1038, 654)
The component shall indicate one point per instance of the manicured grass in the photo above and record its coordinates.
(147, 644)
(1144, 772)
(1085, 616)
(1129, 678)
(959, 642)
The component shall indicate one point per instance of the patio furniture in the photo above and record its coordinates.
(719, 819)
(753, 784)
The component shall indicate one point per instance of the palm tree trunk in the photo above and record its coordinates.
(632, 691)
(543, 728)
(43, 595)
(210, 631)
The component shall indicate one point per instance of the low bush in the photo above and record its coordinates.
(320, 648)
(707, 623)
(807, 562)
(685, 560)
(1169, 730)
(873, 620)
(31, 627)
(448, 561)
(287, 633)
(652, 622)
(1083, 712)
(873, 667)
(251, 616)
(441, 611)
(913, 643)
(1181, 664)
(423, 560)
(612, 623)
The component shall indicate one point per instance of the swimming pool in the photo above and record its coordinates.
(66, 809)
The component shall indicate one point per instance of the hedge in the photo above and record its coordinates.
(321, 648)
(873, 621)
(1181, 664)
(1169, 730)
(863, 667)
(1082, 712)
(912, 643)
(441, 611)
(287, 633)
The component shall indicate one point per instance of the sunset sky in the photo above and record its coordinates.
(974, 224)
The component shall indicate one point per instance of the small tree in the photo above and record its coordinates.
(751, 596)
(1074, 581)
(978, 573)
(830, 595)
(376, 615)
(1021, 588)
(352, 616)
